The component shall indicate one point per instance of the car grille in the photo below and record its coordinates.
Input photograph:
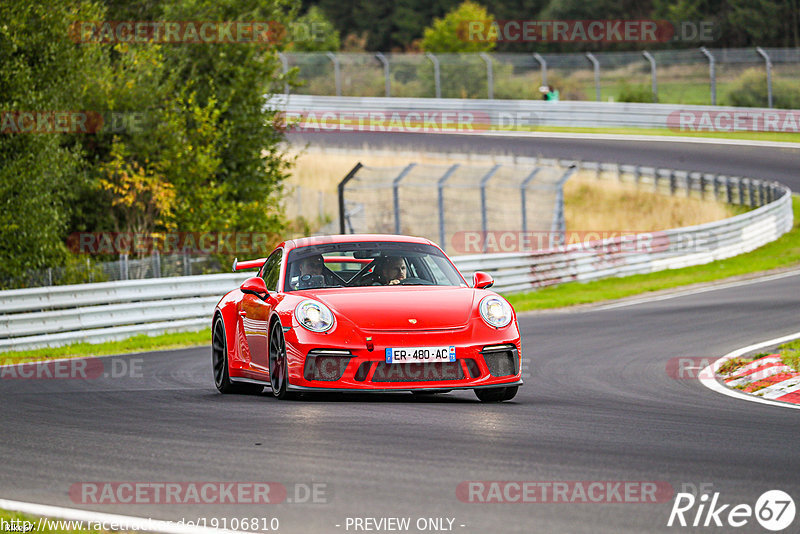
(326, 365)
(502, 360)
(418, 372)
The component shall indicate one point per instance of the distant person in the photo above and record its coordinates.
(549, 93)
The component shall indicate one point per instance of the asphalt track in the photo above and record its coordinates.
(598, 405)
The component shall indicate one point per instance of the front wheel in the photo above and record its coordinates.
(278, 366)
(496, 394)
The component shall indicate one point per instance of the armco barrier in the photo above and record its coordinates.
(506, 115)
(54, 316)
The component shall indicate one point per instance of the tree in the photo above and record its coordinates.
(452, 34)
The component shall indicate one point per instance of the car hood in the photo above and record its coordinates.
(401, 308)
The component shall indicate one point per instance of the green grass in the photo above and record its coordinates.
(784, 252)
(140, 343)
(749, 136)
(8, 517)
(790, 354)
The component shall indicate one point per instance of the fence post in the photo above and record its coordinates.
(484, 221)
(396, 195)
(385, 62)
(649, 57)
(768, 63)
(156, 264)
(596, 65)
(440, 188)
(436, 74)
(285, 63)
(489, 74)
(187, 263)
(538, 57)
(336, 72)
(712, 74)
(558, 224)
(123, 266)
(342, 214)
(522, 191)
(672, 182)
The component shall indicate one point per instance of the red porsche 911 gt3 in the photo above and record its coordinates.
(364, 313)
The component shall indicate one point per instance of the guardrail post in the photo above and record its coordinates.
(342, 184)
(728, 190)
(712, 74)
(440, 187)
(716, 187)
(522, 196)
(672, 182)
(285, 64)
(484, 220)
(596, 65)
(436, 74)
(702, 180)
(123, 266)
(656, 176)
(489, 74)
(187, 263)
(740, 188)
(751, 192)
(336, 72)
(619, 172)
(654, 82)
(543, 64)
(768, 64)
(396, 195)
(688, 184)
(637, 174)
(385, 62)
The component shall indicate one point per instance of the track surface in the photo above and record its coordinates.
(598, 404)
(782, 164)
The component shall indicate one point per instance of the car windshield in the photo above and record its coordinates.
(370, 263)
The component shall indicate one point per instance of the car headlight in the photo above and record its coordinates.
(314, 316)
(495, 311)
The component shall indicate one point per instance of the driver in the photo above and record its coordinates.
(314, 266)
(392, 271)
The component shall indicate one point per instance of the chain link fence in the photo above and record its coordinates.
(696, 76)
(440, 202)
(125, 268)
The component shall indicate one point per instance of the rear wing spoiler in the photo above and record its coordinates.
(247, 264)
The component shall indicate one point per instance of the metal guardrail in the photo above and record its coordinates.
(54, 316)
(331, 114)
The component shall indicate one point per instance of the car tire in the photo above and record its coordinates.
(496, 394)
(278, 365)
(219, 364)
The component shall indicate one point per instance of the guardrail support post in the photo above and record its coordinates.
(123, 266)
(440, 188)
(596, 65)
(672, 182)
(768, 64)
(522, 190)
(637, 174)
(728, 190)
(285, 64)
(688, 184)
(489, 74)
(437, 82)
(336, 72)
(543, 64)
(156, 264)
(342, 184)
(484, 220)
(712, 74)
(396, 195)
(386, 77)
(702, 179)
(654, 81)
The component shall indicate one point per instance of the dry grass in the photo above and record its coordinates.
(606, 205)
(590, 204)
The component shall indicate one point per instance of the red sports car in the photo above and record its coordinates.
(364, 313)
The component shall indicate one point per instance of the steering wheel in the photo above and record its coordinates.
(415, 281)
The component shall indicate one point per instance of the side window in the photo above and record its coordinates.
(272, 270)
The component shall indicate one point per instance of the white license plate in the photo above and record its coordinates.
(420, 354)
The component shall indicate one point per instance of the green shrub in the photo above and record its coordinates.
(634, 93)
(750, 90)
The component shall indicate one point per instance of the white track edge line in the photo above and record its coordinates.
(685, 293)
(711, 370)
(130, 522)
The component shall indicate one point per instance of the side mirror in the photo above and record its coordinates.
(481, 280)
(255, 286)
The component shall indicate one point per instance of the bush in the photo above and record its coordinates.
(750, 91)
(634, 93)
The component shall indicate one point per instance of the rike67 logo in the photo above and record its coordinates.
(774, 510)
